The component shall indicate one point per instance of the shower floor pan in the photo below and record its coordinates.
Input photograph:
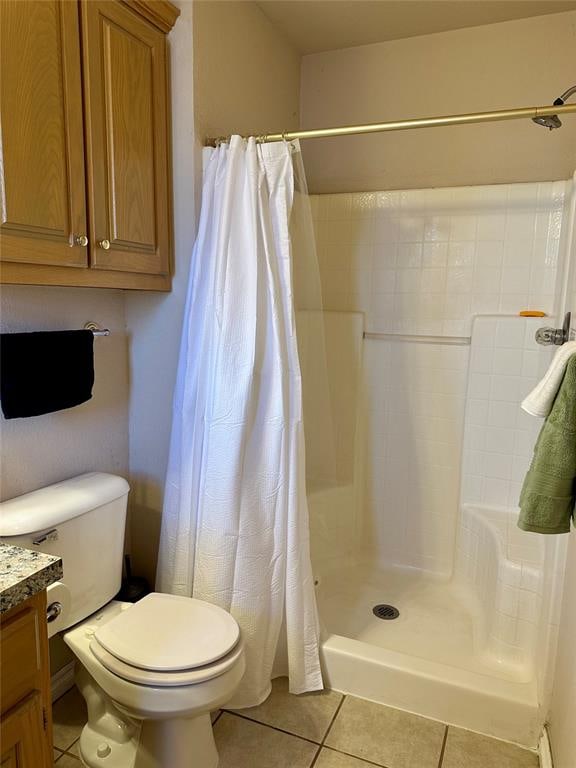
(425, 661)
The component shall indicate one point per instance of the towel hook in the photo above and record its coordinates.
(557, 336)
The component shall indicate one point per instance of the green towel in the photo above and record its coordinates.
(548, 495)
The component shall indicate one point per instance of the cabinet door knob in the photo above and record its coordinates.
(81, 240)
(104, 244)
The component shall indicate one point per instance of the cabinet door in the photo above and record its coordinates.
(42, 182)
(22, 735)
(125, 87)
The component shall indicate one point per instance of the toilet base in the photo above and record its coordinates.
(98, 750)
(111, 739)
(176, 743)
(187, 743)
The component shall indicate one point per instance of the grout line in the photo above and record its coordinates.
(316, 756)
(273, 727)
(360, 759)
(68, 752)
(65, 749)
(218, 716)
(338, 708)
(441, 760)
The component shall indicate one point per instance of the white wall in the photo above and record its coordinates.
(92, 436)
(154, 322)
(512, 64)
(246, 75)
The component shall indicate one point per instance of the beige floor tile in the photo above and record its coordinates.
(68, 761)
(75, 749)
(330, 759)
(71, 752)
(465, 749)
(308, 715)
(244, 744)
(386, 736)
(69, 716)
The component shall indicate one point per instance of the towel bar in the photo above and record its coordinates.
(454, 341)
(96, 330)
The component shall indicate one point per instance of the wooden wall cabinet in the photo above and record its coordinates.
(25, 704)
(85, 130)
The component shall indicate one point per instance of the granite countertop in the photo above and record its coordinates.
(24, 573)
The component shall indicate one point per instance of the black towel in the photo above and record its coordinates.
(45, 371)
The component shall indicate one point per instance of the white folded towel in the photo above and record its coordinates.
(539, 401)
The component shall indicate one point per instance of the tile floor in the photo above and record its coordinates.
(68, 717)
(324, 730)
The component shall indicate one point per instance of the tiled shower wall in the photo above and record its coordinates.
(414, 409)
(498, 443)
(425, 262)
(505, 364)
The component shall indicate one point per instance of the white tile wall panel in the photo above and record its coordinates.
(425, 261)
(414, 407)
(505, 579)
(505, 364)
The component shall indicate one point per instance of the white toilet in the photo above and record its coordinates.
(150, 672)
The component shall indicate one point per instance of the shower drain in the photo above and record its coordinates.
(386, 612)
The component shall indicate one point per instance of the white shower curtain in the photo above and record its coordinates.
(235, 518)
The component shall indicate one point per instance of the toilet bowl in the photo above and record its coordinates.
(151, 672)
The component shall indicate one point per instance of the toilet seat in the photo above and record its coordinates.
(179, 677)
(166, 634)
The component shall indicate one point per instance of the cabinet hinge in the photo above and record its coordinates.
(44, 719)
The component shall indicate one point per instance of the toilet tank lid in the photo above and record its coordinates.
(55, 504)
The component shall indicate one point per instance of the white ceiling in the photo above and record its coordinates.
(324, 25)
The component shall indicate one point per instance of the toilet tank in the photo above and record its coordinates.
(82, 520)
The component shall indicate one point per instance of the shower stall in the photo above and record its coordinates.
(430, 598)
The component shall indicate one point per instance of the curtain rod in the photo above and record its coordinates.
(404, 125)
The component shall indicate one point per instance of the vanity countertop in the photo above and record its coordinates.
(24, 573)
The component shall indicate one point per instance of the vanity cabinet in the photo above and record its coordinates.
(25, 705)
(85, 131)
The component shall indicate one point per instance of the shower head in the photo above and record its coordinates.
(553, 121)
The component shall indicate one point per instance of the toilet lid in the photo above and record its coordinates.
(167, 633)
(179, 677)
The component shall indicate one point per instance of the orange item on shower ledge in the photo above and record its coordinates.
(532, 313)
